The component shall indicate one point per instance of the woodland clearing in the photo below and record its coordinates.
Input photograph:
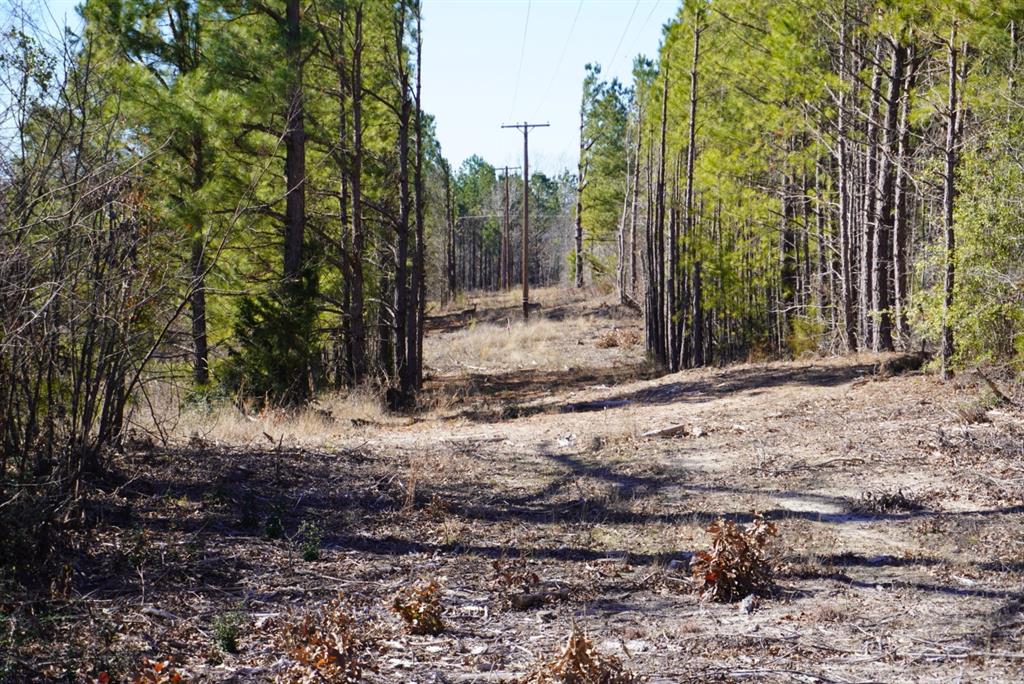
(897, 500)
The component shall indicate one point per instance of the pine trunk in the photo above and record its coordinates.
(881, 298)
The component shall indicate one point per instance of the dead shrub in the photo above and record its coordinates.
(758, 353)
(828, 613)
(438, 509)
(520, 588)
(740, 562)
(888, 502)
(902, 363)
(973, 412)
(513, 576)
(630, 337)
(326, 644)
(608, 340)
(152, 672)
(420, 608)
(618, 337)
(580, 663)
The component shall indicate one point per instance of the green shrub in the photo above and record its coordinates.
(277, 344)
(987, 316)
(274, 527)
(805, 335)
(226, 630)
(310, 537)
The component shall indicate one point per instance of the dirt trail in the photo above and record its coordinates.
(899, 516)
(900, 522)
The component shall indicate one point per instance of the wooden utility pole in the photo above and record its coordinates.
(525, 128)
(506, 252)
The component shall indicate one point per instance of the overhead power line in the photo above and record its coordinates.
(640, 31)
(558, 64)
(522, 54)
(623, 36)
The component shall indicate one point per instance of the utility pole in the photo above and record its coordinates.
(525, 128)
(506, 252)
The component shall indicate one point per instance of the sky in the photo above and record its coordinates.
(493, 62)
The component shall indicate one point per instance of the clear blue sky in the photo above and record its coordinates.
(472, 53)
(490, 62)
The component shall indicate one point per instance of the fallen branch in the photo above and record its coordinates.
(536, 599)
(676, 431)
(1003, 399)
(584, 406)
(630, 303)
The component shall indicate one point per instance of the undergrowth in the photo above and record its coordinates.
(580, 663)
(740, 561)
(888, 502)
(420, 608)
(226, 631)
(327, 645)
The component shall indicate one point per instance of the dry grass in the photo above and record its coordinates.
(169, 419)
(516, 345)
(540, 344)
(545, 296)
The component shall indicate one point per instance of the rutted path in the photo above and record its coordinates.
(814, 445)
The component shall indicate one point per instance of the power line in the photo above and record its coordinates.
(640, 31)
(623, 36)
(565, 48)
(643, 26)
(522, 54)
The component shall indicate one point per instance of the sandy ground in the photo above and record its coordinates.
(545, 468)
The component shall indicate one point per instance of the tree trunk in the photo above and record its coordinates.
(450, 232)
(948, 198)
(691, 158)
(621, 236)
(868, 212)
(200, 349)
(197, 263)
(674, 309)
(788, 258)
(698, 316)
(295, 148)
(881, 298)
(635, 208)
(658, 269)
(419, 283)
(342, 357)
(581, 182)
(845, 233)
(402, 291)
(357, 329)
(901, 230)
